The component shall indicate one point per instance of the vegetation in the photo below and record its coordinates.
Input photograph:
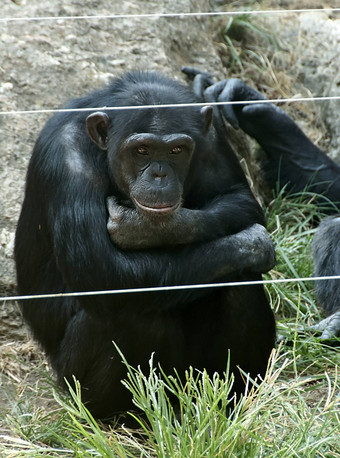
(295, 411)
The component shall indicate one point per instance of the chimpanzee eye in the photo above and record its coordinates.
(176, 150)
(142, 149)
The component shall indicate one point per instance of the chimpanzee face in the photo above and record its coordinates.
(149, 168)
(153, 169)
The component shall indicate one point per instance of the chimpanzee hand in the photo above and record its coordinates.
(235, 90)
(130, 229)
(259, 120)
(264, 121)
(254, 249)
(127, 227)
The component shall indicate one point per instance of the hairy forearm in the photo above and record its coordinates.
(130, 230)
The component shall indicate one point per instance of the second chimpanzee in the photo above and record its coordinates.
(139, 198)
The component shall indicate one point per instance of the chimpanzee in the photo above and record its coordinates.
(294, 162)
(144, 197)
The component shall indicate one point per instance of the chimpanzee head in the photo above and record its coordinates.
(150, 150)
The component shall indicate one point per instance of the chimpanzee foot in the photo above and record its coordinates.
(329, 327)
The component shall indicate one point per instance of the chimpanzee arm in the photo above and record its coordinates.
(88, 260)
(131, 230)
(292, 158)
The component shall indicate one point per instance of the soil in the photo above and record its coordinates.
(44, 63)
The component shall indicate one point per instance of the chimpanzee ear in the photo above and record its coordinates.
(97, 125)
(207, 117)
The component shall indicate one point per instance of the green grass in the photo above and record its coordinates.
(234, 33)
(281, 420)
(295, 411)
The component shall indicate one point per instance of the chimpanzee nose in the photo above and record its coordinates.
(158, 171)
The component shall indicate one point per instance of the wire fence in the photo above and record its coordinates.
(175, 105)
(167, 288)
(169, 15)
(113, 108)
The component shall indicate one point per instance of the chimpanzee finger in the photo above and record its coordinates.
(218, 92)
(192, 72)
(235, 90)
(112, 206)
(201, 80)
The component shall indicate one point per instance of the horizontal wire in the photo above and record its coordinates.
(166, 15)
(178, 287)
(170, 105)
(168, 288)
(63, 110)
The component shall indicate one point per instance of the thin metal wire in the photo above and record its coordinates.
(168, 288)
(170, 105)
(167, 15)
(64, 110)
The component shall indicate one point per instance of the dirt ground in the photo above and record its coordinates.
(44, 63)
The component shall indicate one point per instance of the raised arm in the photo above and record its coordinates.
(293, 160)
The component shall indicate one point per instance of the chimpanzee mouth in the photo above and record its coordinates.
(161, 209)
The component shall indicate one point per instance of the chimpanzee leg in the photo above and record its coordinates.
(326, 249)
